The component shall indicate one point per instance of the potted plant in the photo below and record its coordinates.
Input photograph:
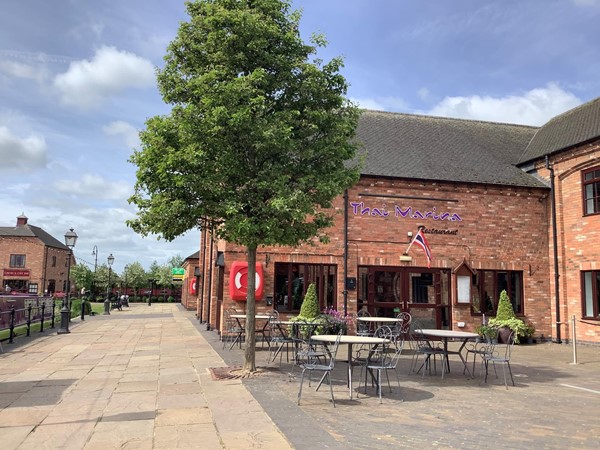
(487, 333)
(309, 313)
(529, 331)
(506, 321)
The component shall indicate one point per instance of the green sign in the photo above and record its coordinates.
(178, 271)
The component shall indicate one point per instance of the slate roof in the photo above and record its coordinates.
(571, 128)
(195, 255)
(437, 148)
(33, 231)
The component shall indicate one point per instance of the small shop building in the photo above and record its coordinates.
(502, 207)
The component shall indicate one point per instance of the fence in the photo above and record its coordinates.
(16, 310)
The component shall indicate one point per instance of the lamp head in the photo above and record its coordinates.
(110, 259)
(70, 238)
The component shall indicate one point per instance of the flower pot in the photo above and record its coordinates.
(503, 335)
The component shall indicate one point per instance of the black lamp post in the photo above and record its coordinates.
(110, 260)
(197, 275)
(151, 280)
(94, 253)
(65, 311)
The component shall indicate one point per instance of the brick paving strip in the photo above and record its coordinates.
(138, 379)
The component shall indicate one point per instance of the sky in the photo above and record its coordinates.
(77, 83)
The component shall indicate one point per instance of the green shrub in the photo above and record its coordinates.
(310, 304)
(505, 309)
(170, 299)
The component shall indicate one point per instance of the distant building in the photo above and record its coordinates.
(189, 290)
(31, 260)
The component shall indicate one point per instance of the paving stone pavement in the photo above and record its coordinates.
(139, 378)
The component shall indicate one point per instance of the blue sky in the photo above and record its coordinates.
(77, 82)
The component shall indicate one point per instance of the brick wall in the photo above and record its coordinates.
(501, 228)
(578, 238)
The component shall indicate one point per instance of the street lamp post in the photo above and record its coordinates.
(94, 253)
(151, 280)
(65, 312)
(110, 260)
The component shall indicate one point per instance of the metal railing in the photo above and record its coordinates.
(25, 311)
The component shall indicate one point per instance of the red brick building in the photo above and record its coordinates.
(483, 196)
(32, 261)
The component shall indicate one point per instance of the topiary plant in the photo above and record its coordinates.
(310, 304)
(506, 318)
(505, 309)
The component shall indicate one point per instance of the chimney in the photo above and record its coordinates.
(22, 220)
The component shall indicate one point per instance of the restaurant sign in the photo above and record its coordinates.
(23, 273)
(403, 211)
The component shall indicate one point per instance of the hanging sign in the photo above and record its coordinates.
(238, 281)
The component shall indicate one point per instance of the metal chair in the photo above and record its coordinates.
(232, 329)
(422, 346)
(479, 348)
(402, 327)
(311, 364)
(362, 328)
(278, 339)
(383, 359)
(494, 354)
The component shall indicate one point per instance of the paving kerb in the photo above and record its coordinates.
(135, 379)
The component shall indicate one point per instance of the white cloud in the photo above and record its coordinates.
(24, 154)
(109, 72)
(94, 187)
(124, 129)
(21, 70)
(381, 103)
(534, 107)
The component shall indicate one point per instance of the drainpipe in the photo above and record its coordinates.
(203, 231)
(210, 277)
(555, 245)
(345, 252)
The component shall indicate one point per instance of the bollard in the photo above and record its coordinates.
(12, 325)
(43, 317)
(29, 320)
(107, 307)
(574, 340)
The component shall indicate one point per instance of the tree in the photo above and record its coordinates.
(82, 276)
(259, 140)
(136, 276)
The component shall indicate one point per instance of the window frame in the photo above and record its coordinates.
(595, 182)
(595, 286)
(479, 289)
(18, 260)
(323, 275)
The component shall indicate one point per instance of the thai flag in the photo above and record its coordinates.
(420, 240)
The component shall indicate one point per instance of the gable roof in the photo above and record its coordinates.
(33, 231)
(573, 127)
(437, 148)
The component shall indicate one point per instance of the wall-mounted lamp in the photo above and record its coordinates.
(410, 234)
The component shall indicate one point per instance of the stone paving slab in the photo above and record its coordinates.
(137, 379)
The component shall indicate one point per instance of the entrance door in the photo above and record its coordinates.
(424, 293)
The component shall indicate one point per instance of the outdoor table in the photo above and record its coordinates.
(350, 341)
(445, 335)
(265, 317)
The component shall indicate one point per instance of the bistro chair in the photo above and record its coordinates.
(383, 359)
(402, 327)
(362, 328)
(362, 353)
(499, 353)
(232, 329)
(311, 363)
(278, 338)
(422, 346)
(480, 348)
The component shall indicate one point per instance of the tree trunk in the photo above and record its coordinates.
(250, 355)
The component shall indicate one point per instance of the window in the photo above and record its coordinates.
(54, 261)
(487, 285)
(591, 294)
(292, 281)
(591, 191)
(33, 288)
(17, 260)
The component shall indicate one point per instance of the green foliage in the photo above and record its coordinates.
(517, 325)
(486, 331)
(310, 304)
(259, 139)
(505, 309)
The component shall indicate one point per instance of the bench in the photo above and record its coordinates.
(116, 304)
